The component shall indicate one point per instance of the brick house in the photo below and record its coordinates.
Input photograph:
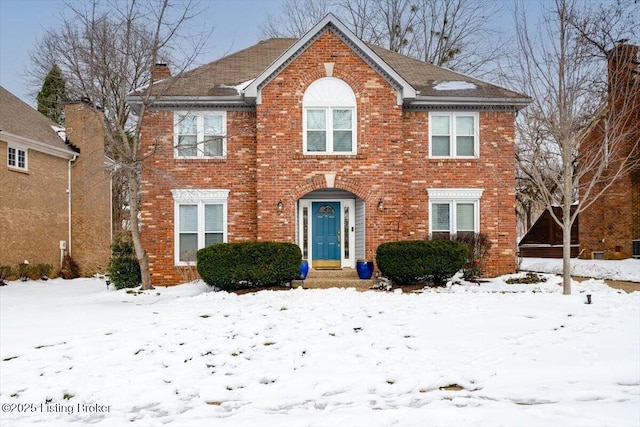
(54, 188)
(609, 227)
(328, 142)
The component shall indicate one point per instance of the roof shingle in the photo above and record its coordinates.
(218, 78)
(20, 119)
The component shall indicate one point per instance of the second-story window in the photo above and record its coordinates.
(16, 158)
(201, 134)
(329, 117)
(453, 135)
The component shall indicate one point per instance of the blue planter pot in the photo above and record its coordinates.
(364, 268)
(304, 270)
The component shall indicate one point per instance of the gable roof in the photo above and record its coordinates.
(20, 123)
(237, 79)
(330, 22)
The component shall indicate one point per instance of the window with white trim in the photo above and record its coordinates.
(200, 134)
(200, 221)
(16, 157)
(453, 135)
(454, 212)
(329, 108)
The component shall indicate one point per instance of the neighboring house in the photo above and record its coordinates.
(544, 238)
(609, 228)
(54, 189)
(327, 142)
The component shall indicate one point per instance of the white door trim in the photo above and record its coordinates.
(345, 262)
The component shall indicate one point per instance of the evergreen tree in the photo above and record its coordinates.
(52, 97)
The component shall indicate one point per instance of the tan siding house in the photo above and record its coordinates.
(53, 192)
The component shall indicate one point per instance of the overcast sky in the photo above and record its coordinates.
(236, 26)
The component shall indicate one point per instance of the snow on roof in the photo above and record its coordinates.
(239, 87)
(453, 85)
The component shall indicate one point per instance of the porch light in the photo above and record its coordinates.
(280, 206)
(380, 205)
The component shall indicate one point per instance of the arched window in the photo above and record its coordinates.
(329, 117)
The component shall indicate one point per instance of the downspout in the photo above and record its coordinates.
(75, 156)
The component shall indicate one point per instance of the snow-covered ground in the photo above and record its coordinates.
(74, 352)
(626, 270)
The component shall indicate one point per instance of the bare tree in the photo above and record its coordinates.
(456, 34)
(359, 14)
(570, 100)
(451, 33)
(106, 51)
(394, 26)
(296, 17)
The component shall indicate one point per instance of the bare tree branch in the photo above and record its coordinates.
(572, 101)
(106, 50)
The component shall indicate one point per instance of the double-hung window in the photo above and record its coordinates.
(329, 130)
(17, 158)
(200, 135)
(200, 221)
(454, 211)
(453, 135)
(329, 117)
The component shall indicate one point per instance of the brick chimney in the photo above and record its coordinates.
(160, 71)
(623, 64)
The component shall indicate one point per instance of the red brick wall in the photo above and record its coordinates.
(266, 165)
(162, 173)
(284, 173)
(611, 223)
(493, 171)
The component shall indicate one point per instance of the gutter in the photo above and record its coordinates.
(177, 102)
(38, 146)
(429, 101)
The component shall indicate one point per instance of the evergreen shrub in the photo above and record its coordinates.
(123, 268)
(417, 261)
(232, 266)
(7, 273)
(41, 271)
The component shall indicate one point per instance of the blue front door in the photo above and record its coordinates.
(326, 234)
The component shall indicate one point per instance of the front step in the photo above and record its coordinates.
(338, 278)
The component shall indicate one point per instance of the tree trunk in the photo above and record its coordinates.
(566, 226)
(141, 253)
(566, 249)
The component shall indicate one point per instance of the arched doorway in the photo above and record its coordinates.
(331, 228)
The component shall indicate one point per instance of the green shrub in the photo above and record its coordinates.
(24, 271)
(69, 269)
(529, 278)
(41, 271)
(6, 273)
(416, 261)
(123, 268)
(232, 266)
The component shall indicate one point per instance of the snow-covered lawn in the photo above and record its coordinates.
(73, 352)
(626, 270)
